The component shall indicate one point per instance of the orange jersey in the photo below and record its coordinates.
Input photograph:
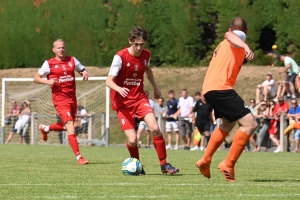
(223, 68)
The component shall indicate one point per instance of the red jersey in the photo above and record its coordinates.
(63, 71)
(129, 72)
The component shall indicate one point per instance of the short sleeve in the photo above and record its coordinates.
(191, 102)
(115, 66)
(78, 66)
(45, 69)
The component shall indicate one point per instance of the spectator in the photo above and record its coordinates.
(267, 89)
(60, 133)
(280, 107)
(202, 112)
(292, 70)
(263, 136)
(280, 89)
(143, 126)
(273, 131)
(273, 54)
(293, 115)
(84, 121)
(185, 126)
(159, 107)
(253, 109)
(12, 117)
(172, 107)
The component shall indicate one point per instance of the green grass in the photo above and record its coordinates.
(51, 172)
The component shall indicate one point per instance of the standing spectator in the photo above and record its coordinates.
(12, 117)
(218, 91)
(60, 72)
(84, 121)
(263, 139)
(267, 89)
(292, 70)
(159, 107)
(185, 125)
(21, 125)
(143, 126)
(273, 131)
(60, 133)
(273, 54)
(172, 107)
(293, 115)
(202, 112)
(126, 81)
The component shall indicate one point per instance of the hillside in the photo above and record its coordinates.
(176, 78)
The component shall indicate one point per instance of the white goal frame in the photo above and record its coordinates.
(105, 127)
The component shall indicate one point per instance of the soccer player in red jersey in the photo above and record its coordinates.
(60, 72)
(126, 80)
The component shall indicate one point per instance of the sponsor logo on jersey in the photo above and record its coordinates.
(63, 79)
(132, 81)
(128, 64)
(136, 67)
(123, 121)
(134, 75)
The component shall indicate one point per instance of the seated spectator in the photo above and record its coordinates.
(21, 125)
(280, 90)
(267, 89)
(292, 70)
(263, 136)
(293, 115)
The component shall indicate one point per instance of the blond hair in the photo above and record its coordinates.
(58, 40)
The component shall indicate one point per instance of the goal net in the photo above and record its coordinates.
(93, 95)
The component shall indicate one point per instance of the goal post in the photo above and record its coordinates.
(93, 95)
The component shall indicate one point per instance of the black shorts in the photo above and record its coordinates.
(291, 78)
(202, 127)
(227, 104)
(85, 128)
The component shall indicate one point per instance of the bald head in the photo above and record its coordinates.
(238, 23)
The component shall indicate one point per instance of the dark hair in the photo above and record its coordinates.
(197, 94)
(138, 32)
(161, 98)
(171, 91)
(184, 90)
(238, 23)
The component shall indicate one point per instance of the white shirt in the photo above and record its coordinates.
(84, 119)
(185, 106)
(272, 87)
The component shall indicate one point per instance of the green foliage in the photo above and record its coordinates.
(182, 32)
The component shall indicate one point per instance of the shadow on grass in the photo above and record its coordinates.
(282, 180)
(167, 174)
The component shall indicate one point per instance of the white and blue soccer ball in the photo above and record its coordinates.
(131, 166)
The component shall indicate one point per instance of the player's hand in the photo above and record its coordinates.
(52, 82)
(249, 55)
(123, 91)
(157, 93)
(85, 75)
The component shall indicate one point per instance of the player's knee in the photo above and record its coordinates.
(155, 129)
(132, 142)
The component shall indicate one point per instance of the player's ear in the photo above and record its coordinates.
(53, 50)
(246, 31)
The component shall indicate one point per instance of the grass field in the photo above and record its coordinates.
(51, 172)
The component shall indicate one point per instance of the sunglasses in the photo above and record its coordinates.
(252, 102)
(293, 103)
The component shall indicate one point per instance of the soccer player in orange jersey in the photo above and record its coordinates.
(218, 91)
(126, 79)
(61, 78)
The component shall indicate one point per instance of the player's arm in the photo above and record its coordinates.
(236, 41)
(81, 70)
(151, 79)
(44, 70)
(113, 73)
(285, 68)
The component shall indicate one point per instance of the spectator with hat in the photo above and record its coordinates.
(267, 89)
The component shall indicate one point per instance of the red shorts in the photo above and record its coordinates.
(126, 115)
(66, 111)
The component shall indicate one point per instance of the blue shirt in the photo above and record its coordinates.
(172, 109)
(294, 110)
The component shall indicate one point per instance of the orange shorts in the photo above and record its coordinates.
(67, 111)
(126, 115)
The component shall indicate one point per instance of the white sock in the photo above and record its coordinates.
(78, 157)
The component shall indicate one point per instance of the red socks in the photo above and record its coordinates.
(74, 144)
(57, 127)
(160, 147)
(133, 151)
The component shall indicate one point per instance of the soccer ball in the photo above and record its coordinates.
(131, 166)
